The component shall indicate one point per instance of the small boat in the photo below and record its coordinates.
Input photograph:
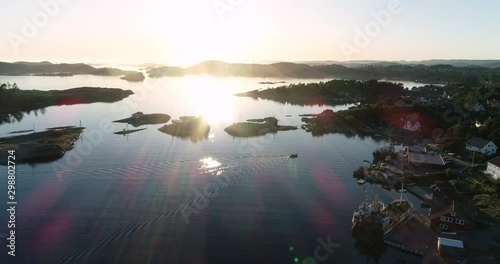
(293, 156)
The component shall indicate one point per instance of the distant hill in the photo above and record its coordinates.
(430, 71)
(456, 63)
(436, 73)
(45, 68)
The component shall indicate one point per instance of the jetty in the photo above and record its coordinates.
(423, 193)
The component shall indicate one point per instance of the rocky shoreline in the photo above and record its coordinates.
(45, 146)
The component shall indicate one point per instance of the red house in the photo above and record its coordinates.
(449, 212)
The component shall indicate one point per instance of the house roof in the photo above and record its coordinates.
(450, 242)
(416, 148)
(446, 200)
(477, 142)
(495, 161)
(425, 158)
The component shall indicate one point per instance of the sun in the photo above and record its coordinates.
(209, 98)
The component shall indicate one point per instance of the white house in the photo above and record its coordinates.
(493, 167)
(482, 146)
(451, 248)
(412, 126)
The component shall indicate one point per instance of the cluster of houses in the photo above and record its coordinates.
(451, 214)
(488, 149)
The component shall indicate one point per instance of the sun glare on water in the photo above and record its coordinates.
(210, 100)
(211, 165)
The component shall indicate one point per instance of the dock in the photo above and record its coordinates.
(361, 181)
(423, 193)
(413, 241)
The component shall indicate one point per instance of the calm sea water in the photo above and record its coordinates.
(152, 198)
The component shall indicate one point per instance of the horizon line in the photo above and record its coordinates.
(249, 62)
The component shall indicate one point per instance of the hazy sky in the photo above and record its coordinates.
(188, 31)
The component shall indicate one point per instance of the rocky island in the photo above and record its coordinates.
(26, 100)
(256, 127)
(139, 119)
(133, 77)
(45, 146)
(195, 128)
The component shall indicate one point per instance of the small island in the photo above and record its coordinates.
(12, 98)
(256, 127)
(130, 131)
(134, 77)
(139, 119)
(45, 146)
(195, 128)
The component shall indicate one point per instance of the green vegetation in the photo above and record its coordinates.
(433, 72)
(43, 146)
(483, 191)
(440, 73)
(14, 102)
(332, 92)
(46, 68)
(449, 115)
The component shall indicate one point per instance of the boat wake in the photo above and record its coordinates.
(228, 173)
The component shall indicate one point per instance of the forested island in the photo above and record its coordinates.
(256, 127)
(14, 101)
(431, 73)
(332, 92)
(425, 71)
(14, 98)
